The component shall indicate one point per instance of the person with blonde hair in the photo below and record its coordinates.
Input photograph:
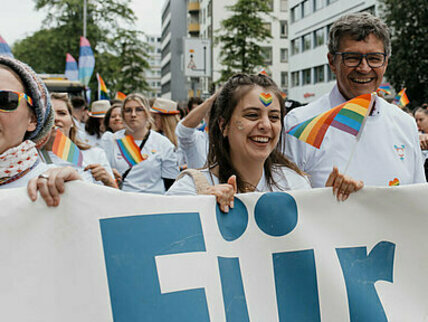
(96, 166)
(159, 168)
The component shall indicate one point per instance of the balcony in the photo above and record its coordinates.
(193, 7)
(193, 27)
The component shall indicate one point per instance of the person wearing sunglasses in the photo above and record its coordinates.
(388, 152)
(26, 118)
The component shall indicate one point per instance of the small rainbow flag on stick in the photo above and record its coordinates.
(401, 99)
(120, 96)
(384, 88)
(348, 117)
(65, 149)
(102, 89)
(129, 150)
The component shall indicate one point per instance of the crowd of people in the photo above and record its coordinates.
(233, 142)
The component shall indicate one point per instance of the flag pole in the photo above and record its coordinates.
(369, 110)
(84, 18)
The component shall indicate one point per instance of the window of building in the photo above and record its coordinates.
(330, 75)
(319, 74)
(319, 37)
(306, 76)
(283, 29)
(284, 55)
(296, 13)
(306, 8)
(295, 79)
(295, 48)
(284, 79)
(268, 26)
(267, 55)
(283, 5)
(331, 1)
(306, 42)
(318, 4)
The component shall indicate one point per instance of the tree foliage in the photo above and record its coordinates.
(110, 30)
(408, 64)
(240, 37)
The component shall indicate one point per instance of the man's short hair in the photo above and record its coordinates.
(359, 26)
(78, 102)
(194, 100)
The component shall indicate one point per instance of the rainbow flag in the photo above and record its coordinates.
(120, 96)
(4, 48)
(65, 149)
(401, 99)
(86, 61)
(129, 150)
(384, 88)
(102, 89)
(348, 117)
(71, 70)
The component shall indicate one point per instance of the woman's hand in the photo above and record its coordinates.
(423, 140)
(101, 174)
(224, 193)
(342, 185)
(51, 184)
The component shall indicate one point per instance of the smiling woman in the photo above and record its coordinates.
(26, 118)
(245, 134)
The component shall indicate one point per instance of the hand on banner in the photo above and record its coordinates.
(343, 185)
(100, 174)
(224, 193)
(51, 184)
(423, 141)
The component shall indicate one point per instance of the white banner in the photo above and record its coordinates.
(106, 255)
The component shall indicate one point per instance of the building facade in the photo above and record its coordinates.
(309, 25)
(275, 50)
(174, 28)
(153, 76)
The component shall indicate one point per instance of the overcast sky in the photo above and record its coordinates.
(18, 18)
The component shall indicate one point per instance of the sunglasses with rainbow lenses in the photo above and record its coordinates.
(9, 100)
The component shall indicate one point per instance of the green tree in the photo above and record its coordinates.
(408, 64)
(109, 24)
(240, 36)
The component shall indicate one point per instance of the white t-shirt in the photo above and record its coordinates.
(286, 178)
(93, 155)
(388, 151)
(90, 139)
(194, 144)
(147, 175)
(23, 181)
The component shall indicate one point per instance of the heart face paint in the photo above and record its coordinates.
(239, 125)
(266, 99)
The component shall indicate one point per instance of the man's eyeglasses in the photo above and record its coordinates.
(9, 100)
(351, 59)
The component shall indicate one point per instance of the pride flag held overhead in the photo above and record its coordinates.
(86, 61)
(65, 149)
(4, 48)
(129, 150)
(71, 70)
(401, 99)
(348, 117)
(120, 96)
(102, 89)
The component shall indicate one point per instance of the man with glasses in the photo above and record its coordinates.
(388, 152)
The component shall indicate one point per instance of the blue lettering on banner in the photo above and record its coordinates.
(361, 272)
(235, 305)
(130, 247)
(132, 243)
(296, 286)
